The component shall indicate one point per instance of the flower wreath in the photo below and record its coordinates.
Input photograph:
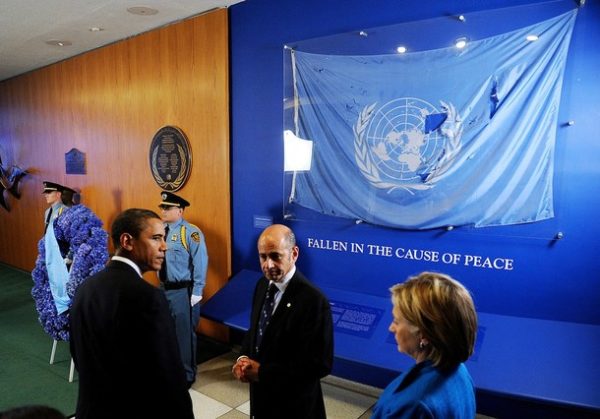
(81, 230)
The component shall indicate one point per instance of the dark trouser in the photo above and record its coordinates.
(185, 318)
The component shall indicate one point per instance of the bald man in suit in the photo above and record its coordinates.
(289, 346)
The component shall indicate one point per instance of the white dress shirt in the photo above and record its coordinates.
(129, 262)
(281, 286)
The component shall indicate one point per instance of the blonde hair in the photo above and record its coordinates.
(444, 312)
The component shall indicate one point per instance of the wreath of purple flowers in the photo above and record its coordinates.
(82, 230)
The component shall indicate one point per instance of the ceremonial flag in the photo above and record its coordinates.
(443, 137)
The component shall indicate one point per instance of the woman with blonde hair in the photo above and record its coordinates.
(435, 323)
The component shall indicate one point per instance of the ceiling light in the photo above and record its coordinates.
(363, 33)
(96, 29)
(532, 37)
(401, 49)
(142, 10)
(462, 18)
(460, 43)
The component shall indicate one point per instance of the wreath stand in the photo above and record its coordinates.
(53, 352)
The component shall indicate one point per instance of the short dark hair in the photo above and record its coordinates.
(32, 412)
(131, 221)
(290, 238)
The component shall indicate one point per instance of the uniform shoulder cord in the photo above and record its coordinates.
(182, 234)
(183, 237)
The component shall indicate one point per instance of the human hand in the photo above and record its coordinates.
(238, 367)
(250, 370)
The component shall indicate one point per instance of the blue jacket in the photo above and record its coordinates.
(426, 392)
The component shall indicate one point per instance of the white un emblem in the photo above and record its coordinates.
(399, 145)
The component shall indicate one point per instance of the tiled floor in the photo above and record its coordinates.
(216, 394)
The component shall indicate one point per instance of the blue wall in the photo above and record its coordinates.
(551, 279)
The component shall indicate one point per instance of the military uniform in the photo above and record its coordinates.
(183, 278)
(57, 254)
(54, 211)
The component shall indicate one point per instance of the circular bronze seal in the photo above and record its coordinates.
(170, 158)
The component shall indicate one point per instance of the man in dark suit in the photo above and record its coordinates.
(122, 334)
(289, 346)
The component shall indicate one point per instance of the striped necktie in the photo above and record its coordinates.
(265, 314)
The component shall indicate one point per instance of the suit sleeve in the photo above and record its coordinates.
(248, 338)
(165, 359)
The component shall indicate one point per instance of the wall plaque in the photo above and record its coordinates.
(75, 162)
(170, 158)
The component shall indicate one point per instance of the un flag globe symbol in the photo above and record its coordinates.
(397, 142)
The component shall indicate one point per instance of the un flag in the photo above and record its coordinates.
(434, 138)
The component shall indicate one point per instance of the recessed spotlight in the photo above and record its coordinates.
(58, 43)
(401, 49)
(363, 33)
(532, 37)
(460, 43)
(96, 29)
(142, 10)
(462, 18)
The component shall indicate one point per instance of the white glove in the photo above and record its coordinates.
(195, 299)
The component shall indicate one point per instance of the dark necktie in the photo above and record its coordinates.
(265, 314)
(162, 275)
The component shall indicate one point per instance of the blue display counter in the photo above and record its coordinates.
(554, 364)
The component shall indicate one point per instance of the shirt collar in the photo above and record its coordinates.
(128, 262)
(174, 224)
(281, 286)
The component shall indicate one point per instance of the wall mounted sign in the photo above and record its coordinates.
(75, 162)
(170, 158)
(354, 319)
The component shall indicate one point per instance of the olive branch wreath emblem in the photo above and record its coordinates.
(174, 185)
(451, 129)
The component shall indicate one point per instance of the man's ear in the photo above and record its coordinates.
(126, 241)
(295, 253)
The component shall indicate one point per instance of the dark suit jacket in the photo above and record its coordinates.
(124, 347)
(296, 352)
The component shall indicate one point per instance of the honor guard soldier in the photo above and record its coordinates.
(53, 194)
(60, 198)
(183, 276)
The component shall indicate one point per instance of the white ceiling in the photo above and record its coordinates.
(26, 26)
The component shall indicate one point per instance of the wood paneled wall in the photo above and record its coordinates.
(109, 103)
